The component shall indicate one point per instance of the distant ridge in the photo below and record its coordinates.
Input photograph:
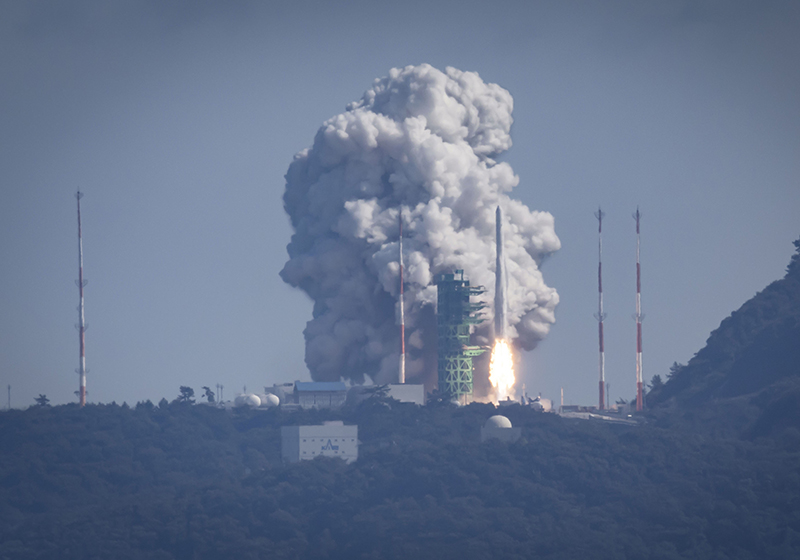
(750, 363)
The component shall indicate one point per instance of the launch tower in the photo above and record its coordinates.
(455, 313)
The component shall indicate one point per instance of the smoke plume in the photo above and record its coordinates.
(421, 140)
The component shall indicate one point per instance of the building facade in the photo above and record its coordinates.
(331, 439)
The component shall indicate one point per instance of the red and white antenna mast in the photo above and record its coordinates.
(402, 372)
(81, 319)
(600, 315)
(638, 317)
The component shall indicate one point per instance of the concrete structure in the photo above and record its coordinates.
(284, 392)
(408, 392)
(320, 394)
(499, 427)
(331, 439)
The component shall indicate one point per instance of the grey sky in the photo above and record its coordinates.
(179, 123)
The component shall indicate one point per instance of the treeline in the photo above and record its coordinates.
(746, 379)
(193, 481)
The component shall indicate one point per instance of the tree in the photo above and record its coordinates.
(675, 369)
(794, 263)
(186, 396)
(655, 383)
(42, 400)
(209, 394)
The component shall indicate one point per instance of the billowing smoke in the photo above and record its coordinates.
(421, 140)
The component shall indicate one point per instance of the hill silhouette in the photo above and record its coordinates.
(189, 481)
(712, 472)
(747, 376)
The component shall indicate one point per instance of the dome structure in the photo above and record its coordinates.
(269, 400)
(248, 399)
(498, 421)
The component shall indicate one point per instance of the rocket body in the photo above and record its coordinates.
(501, 282)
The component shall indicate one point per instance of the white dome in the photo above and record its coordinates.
(269, 400)
(251, 400)
(498, 421)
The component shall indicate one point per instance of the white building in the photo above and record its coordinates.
(402, 392)
(407, 392)
(320, 394)
(331, 439)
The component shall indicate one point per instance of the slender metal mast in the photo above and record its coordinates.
(402, 372)
(600, 315)
(81, 319)
(638, 317)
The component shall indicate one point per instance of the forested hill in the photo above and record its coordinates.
(182, 481)
(748, 373)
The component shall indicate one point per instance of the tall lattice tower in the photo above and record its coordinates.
(455, 314)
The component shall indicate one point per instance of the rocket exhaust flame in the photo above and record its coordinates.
(501, 370)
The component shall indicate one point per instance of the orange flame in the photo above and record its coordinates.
(501, 370)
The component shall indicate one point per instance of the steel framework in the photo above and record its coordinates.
(455, 314)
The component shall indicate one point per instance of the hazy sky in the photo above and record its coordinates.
(180, 121)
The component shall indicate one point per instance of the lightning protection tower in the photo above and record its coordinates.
(600, 315)
(455, 314)
(81, 326)
(401, 376)
(638, 317)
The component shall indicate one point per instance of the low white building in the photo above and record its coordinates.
(331, 439)
(320, 394)
(407, 392)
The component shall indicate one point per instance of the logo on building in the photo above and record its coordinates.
(330, 447)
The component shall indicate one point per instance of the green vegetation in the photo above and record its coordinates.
(746, 380)
(179, 481)
(713, 472)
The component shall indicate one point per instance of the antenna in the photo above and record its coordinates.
(81, 320)
(600, 315)
(402, 372)
(639, 397)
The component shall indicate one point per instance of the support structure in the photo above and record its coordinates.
(639, 391)
(600, 315)
(401, 378)
(81, 319)
(455, 314)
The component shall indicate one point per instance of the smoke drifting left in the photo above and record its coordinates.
(424, 140)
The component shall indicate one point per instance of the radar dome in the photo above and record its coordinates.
(498, 421)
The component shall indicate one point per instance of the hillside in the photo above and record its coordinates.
(747, 376)
(183, 481)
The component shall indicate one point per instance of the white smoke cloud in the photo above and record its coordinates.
(423, 140)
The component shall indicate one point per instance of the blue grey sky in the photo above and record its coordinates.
(178, 120)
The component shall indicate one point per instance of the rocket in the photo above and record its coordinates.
(500, 281)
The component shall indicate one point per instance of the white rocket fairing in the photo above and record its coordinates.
(500, 303)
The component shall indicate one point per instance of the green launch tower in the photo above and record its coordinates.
(454, 316)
